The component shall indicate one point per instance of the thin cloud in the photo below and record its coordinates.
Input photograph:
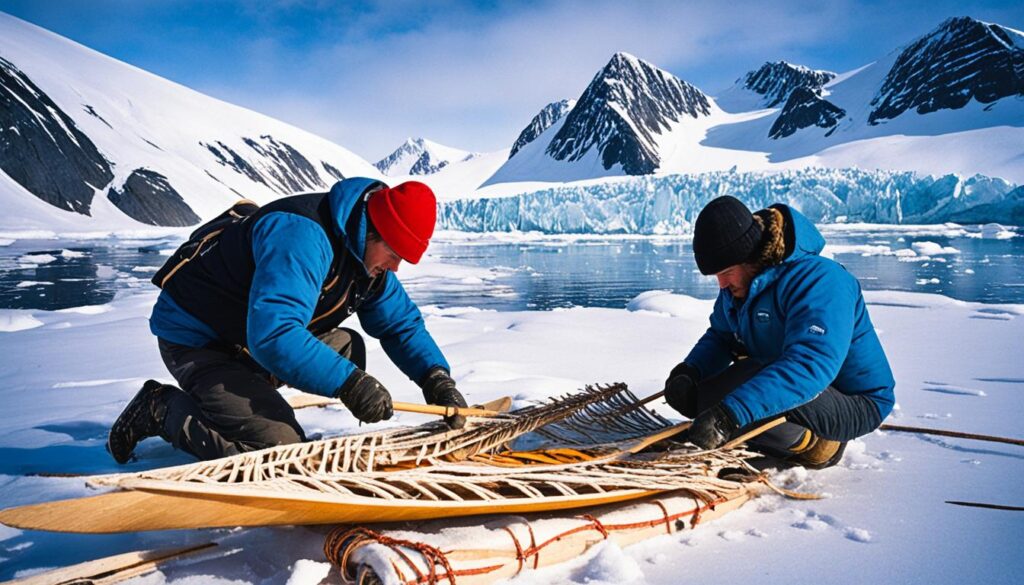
(497, 70)
(368, 74)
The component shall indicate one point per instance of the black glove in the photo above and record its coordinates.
(712, 428)
(439, 389)
(681, 389)
(367, 398)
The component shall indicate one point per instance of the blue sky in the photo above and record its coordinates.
(470, 74)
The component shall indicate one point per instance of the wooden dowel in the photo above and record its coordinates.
(651, 398)
(753, 433)
(442, 410)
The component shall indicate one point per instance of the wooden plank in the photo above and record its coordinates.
(112, 569)
(139, 510)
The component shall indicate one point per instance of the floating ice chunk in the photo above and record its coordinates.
(5, 242)
(145, 268)
(28, 283)
(37, 258)
(862, 249)
(994, 231)
(933, 249)
(17, 320)
(69, 254)
(922, 281)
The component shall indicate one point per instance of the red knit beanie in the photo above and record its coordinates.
(404, 216)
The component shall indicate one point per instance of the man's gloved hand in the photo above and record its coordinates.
(712, 428)
(367, 398)
(439, 389)
(681, 389)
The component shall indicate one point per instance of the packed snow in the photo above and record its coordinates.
(68, 373)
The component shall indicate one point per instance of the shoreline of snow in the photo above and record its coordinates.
(885, 514)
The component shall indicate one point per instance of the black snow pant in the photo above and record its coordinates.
(830, 415)
(230, 404)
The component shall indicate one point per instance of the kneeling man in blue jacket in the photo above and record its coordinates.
(259, 305)
(790, 335)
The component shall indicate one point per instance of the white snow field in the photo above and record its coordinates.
(66, 374)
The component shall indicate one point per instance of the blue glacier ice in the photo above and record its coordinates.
(670, 204)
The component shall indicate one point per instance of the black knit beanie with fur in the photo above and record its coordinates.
(724, 234)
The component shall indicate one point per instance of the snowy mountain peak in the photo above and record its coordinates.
(419, 156)
(628, 103)
(89, 142)
(546, 118)
(776, 81)
(962, 59)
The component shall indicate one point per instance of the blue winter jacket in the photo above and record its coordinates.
(806, 319)
(292, 256)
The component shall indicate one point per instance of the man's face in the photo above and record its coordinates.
(737, 279)
(379, 257)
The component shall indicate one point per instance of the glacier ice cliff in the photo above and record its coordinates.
(670, 204)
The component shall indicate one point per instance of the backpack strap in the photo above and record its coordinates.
(202, 238)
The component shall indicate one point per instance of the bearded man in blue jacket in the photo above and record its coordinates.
(259, 305)
(790, 335)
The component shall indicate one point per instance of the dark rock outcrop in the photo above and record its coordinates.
(276, 164)
(545, 119)
(288, 168)
(147, 196)
(426, 165)
(628, 102)
(803, 109)
(776, 81)
(43, 150)
(228, 157)
(961, 60)
(333, 171)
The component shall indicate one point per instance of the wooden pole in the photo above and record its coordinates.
(753, 433)
(988, 506)
(442, 410)
(956, 434)
(308, 400)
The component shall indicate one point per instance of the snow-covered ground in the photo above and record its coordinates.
(66, 374)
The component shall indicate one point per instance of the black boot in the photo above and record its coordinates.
(142, 418)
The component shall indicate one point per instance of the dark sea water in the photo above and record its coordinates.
(536, 274)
